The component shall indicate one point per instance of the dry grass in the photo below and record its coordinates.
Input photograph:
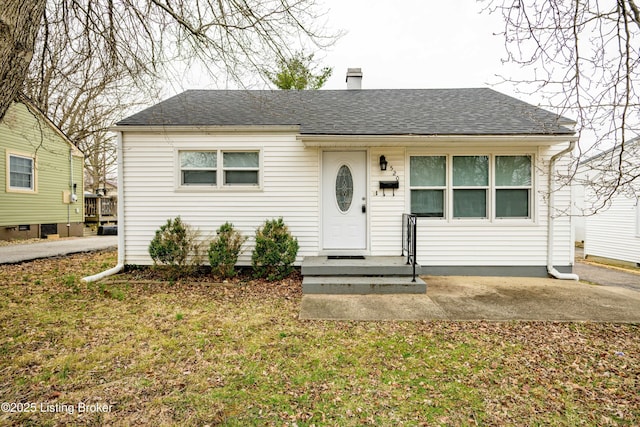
(199, 352)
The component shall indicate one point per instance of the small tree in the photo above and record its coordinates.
(175, 245)
(225, 249)
(297, 73)
(275, 250)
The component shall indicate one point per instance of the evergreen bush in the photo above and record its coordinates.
(175, 245)
(224, 250)
(275, 250)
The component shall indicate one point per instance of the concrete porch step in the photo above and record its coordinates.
(362, 285)
(369, 266)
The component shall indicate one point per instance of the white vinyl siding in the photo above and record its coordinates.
(613, 233)
(289, 187)
(152, 192)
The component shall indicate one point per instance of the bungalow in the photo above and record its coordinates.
(43, 177)
(474, 166)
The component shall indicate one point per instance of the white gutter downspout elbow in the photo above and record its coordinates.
(550, 268)
(120, 265)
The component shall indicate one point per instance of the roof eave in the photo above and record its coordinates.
(401, 140)
(206, 128)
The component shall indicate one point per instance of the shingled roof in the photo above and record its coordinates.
(479, 111)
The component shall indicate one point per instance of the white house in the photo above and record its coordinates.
(343, 166)
(614, 231)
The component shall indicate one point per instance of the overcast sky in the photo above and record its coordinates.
(415, 43)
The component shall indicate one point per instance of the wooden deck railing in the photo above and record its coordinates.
(100, 209)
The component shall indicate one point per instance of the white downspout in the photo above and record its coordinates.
(550, 268)
(70, 191)
(120, 265)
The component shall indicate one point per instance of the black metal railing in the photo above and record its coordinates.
(409, 227)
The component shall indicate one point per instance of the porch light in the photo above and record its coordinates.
(383, 163)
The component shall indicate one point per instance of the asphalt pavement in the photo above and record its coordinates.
(604, 275)
(13, 254)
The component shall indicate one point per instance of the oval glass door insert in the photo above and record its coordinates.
(344, 188)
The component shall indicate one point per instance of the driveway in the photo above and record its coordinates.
(12, 254)
(607, 276)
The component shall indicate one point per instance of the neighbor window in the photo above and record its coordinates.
(638, 217)
(21, 173)
(471, 187)
(241, 167)
(198, 167)
(428, 181)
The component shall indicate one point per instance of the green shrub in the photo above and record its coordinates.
(224, 250)
(175, 245)
(275, 250)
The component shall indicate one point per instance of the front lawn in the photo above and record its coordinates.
(135, 351)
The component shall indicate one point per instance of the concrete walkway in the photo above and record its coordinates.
(484, 298)
(604, 294)
(12, 254)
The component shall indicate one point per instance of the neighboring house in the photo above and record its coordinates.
(614, 231)
(343, 166)
(41, 175)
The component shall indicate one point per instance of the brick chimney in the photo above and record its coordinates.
(354, 78)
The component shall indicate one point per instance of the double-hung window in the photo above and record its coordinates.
(21, 173)
(465, 187)
(428, 181)
(513, 186)
(470, 186)
(219, 168)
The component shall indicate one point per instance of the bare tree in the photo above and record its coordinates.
(142, 37)
(583, 56)
(81, 91)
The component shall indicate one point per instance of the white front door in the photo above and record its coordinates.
(344, 203)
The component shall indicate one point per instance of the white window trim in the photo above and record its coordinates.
(34, 173)
(491, 189)
(220, 186)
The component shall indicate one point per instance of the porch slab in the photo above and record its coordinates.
(362, 285)
(369, 266)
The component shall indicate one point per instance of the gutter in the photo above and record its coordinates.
(120, 265)
(550, 268)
